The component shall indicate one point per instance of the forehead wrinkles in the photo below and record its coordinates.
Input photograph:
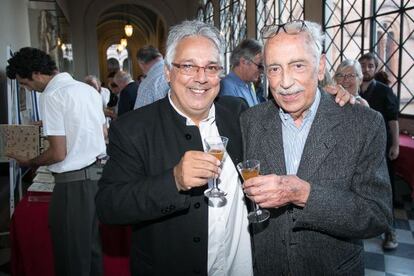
(186, 52)
(289, 44)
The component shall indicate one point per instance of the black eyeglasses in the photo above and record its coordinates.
(212, 70)
(292, 27)
(259, 66)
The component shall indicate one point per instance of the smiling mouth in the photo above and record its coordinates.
(198, 91)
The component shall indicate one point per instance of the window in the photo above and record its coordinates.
(384, 27)
(205, 12)
(209, 13)
(233, 26)
(200, 14)
(270, 12)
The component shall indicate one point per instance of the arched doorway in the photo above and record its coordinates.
(148, 28)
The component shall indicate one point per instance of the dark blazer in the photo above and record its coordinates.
(350, 198)
(127, 98)
(170, 228)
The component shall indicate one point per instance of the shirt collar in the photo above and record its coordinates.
(57, 81)
(210, 119)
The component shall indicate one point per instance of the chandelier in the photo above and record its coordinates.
(128, 29)
(124, 42)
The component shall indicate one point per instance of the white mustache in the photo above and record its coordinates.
(289, 91)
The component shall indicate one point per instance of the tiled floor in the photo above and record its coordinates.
(395, 262)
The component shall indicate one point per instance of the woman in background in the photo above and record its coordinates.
(349, 76)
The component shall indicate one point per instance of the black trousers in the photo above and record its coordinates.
(74, 228)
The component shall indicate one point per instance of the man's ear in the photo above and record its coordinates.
(321, 67)
(36, 75)
(244, 60)
(167, 73)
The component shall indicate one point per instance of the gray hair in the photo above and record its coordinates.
(122, 77)
(147, 54)
(350, 63)
(313, 30)
(247, 49)
(316, 37)
(192, 28)
(92, 80)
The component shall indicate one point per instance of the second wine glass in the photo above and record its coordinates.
(216, 146)
(249, 169)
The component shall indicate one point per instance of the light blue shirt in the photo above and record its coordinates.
(232, 85)
(294, 138)
(153, 87)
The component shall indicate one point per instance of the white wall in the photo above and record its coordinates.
(14, 31)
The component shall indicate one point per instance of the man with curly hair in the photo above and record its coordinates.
(73, 122)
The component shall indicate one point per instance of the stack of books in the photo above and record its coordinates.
(42, 187)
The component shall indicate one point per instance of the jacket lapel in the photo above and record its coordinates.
(271, 145)
(321, 139)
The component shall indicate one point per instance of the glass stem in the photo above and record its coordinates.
(256, 207)
(215, 187)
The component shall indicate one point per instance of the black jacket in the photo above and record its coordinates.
(170, 228)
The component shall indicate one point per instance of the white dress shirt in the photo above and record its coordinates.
(229, 247)
(73, 109)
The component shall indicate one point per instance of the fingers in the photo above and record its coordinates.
(194, 169)
(273, 191)
(342, 96)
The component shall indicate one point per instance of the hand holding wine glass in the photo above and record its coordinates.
(249, 169)
(194, 169)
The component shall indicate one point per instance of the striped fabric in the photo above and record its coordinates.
(294, 138)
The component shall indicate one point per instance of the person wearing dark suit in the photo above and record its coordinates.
(128, 94)
(158, 170)
(324, 177)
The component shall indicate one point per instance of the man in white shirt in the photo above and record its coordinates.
(73, 122)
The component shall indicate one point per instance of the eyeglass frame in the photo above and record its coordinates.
(272, 32)
(345, 76)
(266, 29)
(260, 67)
(181, 69)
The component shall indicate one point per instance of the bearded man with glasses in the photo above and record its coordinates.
(324, 177)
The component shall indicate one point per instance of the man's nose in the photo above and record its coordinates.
(200, 75)
(287, 80)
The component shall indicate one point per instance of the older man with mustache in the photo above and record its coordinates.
(325, 180)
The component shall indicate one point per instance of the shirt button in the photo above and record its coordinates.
(196, 239)
(197, 205)
(197, 271)
(188, 136)
(172, 207)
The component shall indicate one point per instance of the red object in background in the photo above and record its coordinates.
(31, 245)
(404, 164)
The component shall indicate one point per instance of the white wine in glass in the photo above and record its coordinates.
(249, 169)
(216, 146)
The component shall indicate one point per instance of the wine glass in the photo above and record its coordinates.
(216, 146)
(249, 169)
